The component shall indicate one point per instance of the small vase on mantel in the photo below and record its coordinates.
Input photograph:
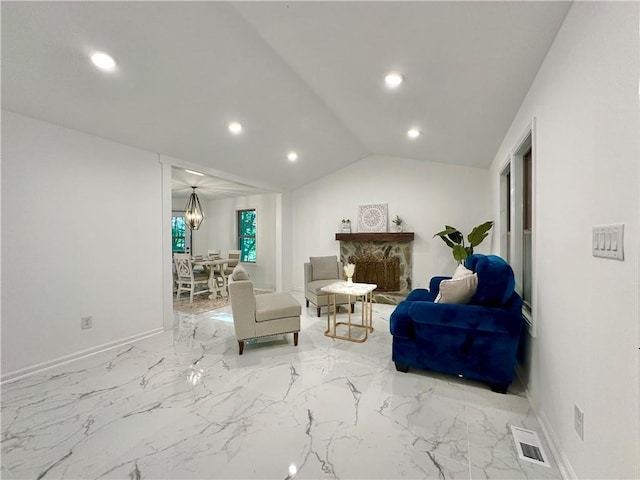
(398, 224)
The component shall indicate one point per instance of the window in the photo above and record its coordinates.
(527, 227)
(247, 234)
(505, 212)
(178, 234)
(517, 219)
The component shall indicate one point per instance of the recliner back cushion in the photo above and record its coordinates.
(495, 280)
(324, 268)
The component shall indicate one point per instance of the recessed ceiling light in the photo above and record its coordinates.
(292, 156)
(103, 61)
(195, 173)
(393, 79)
(413, 133)
(235, 127)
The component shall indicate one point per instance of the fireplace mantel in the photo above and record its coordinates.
(375, 237)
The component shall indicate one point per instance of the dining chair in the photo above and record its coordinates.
(216, 275)
(187, 279)
(234, 258)
(174, 277)
(199, 268)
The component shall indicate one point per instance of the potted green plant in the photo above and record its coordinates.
(455, 239)
(398, 223)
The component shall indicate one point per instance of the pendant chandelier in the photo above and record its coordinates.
(193, 213)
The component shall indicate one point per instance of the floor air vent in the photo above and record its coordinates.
(529, 447)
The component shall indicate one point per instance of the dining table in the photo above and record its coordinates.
(218, 283)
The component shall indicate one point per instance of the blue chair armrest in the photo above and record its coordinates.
(420, 295)
(434, 284)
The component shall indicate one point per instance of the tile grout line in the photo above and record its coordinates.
(466, 421)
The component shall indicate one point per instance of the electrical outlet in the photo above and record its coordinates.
(578, 416)
(86, 322)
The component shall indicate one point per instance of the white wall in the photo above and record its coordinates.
(585, 102)
(1, 308)
(81, 236)
(287, 241)
(218, 232)
(427, 195)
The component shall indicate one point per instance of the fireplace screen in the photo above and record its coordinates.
(384, 272)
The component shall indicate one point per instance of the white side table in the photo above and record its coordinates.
(363, 291)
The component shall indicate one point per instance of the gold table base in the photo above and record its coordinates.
(366, 321)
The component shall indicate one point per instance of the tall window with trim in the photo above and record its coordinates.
(517, 219)
(178, 234)
(246, 221)
(527, 227)
(507, 213)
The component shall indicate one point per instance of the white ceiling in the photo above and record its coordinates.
(207, 186)
(304, 76)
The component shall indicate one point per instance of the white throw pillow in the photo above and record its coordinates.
(457, 290)
(462, 271)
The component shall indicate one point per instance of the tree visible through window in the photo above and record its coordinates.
(178, 237)
(247, 234)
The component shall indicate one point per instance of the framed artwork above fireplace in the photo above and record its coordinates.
(372, 218)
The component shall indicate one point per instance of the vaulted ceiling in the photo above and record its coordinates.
(299, 76)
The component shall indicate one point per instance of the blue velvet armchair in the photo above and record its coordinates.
(478, 340)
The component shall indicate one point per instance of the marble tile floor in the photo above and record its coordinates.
(185, 405)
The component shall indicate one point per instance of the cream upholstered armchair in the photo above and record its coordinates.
(320, 272)
(264, 315)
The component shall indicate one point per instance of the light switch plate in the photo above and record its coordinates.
(608, 241)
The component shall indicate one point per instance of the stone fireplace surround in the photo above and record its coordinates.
(386, 248)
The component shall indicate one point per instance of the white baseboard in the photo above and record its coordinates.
(40, 367)
(566, 470)
(564, 466)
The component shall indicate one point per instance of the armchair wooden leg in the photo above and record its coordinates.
(401, 368)
(240, 347)
(307, 302)
(318, 312)
(295, 338)
(353, 307)
(499, 388)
